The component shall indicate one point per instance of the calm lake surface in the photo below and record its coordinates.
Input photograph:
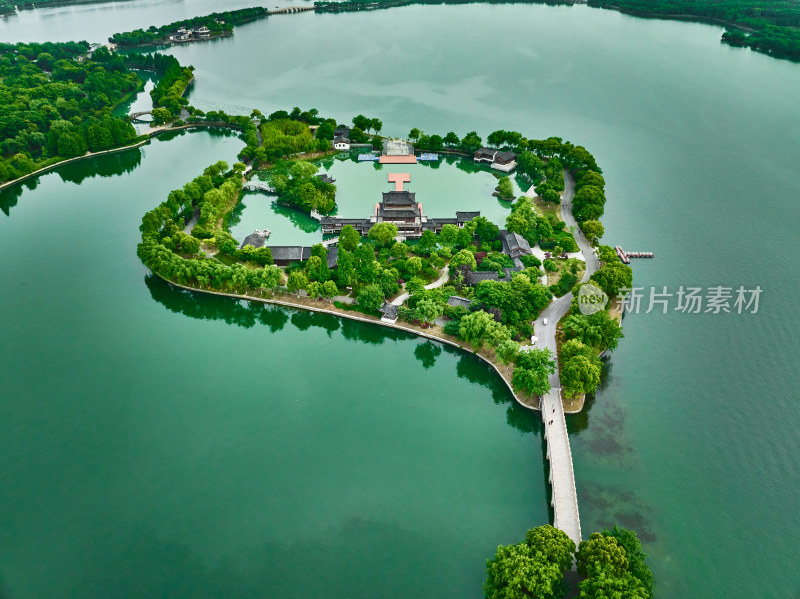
(148, 448)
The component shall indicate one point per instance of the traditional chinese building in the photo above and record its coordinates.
(397, 151)
(399, 207)
(501, 161)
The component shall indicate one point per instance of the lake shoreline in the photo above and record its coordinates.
(286, 302)
(149, 135)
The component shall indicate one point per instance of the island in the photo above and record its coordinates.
(508, 295)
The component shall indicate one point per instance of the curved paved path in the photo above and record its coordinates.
(562, 477)
(398, 301)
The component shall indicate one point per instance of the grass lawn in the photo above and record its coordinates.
(554, 277)
(543, 208)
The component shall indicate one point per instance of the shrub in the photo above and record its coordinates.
(550, 266)
(531, 261)
(201, 232)
(567, 242)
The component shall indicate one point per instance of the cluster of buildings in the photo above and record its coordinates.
(399, 151)
(187, 35)
(283, 255)
(399, 207)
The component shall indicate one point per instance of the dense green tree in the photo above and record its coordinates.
(601, 552)
(349, 238)
(480, 327)
(551, 195)
(371, 297)
(485, 229)
(523, 219)
(588, 203)
(505, 188)
(429, 310)
(451, 139)
(329, 289)
(531, 374)
(383, 233)
(530, 165)
(593, 229)
(427, 242)
(362, 122)
(325, 131)
(507, 351)
(463, 258)
(597, 330)
(345, 270)
(414, 134)
(471, 142)
(314, 289)
(414, 265)
(449, 234)
(612, 276)
(636, 556)
(579, 374)
(531, 569)
(605, 585)
(554, 544)
(398, 250)
(297, 281)
(317, 269)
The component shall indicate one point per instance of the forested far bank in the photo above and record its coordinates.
(56, 103)
(218, 23)
(770, 27)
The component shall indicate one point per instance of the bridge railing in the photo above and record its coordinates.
(558, 499)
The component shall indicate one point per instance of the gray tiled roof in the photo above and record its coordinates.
(515, 245)
(457, 300)
(256, 239)
(505, 156)
(293, 253)
(485, 153)
(389, 310)
(333, 256)
(397, 198)
(476, 276)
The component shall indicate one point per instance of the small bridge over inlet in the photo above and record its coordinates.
(137, 116)
(287, 10)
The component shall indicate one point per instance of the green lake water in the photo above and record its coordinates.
(157, 443)
(152, 440)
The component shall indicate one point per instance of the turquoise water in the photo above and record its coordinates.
(157, 443)
(691, 441)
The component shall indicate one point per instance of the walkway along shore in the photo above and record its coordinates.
(362, 318)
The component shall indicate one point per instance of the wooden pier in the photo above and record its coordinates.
(626, 256)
